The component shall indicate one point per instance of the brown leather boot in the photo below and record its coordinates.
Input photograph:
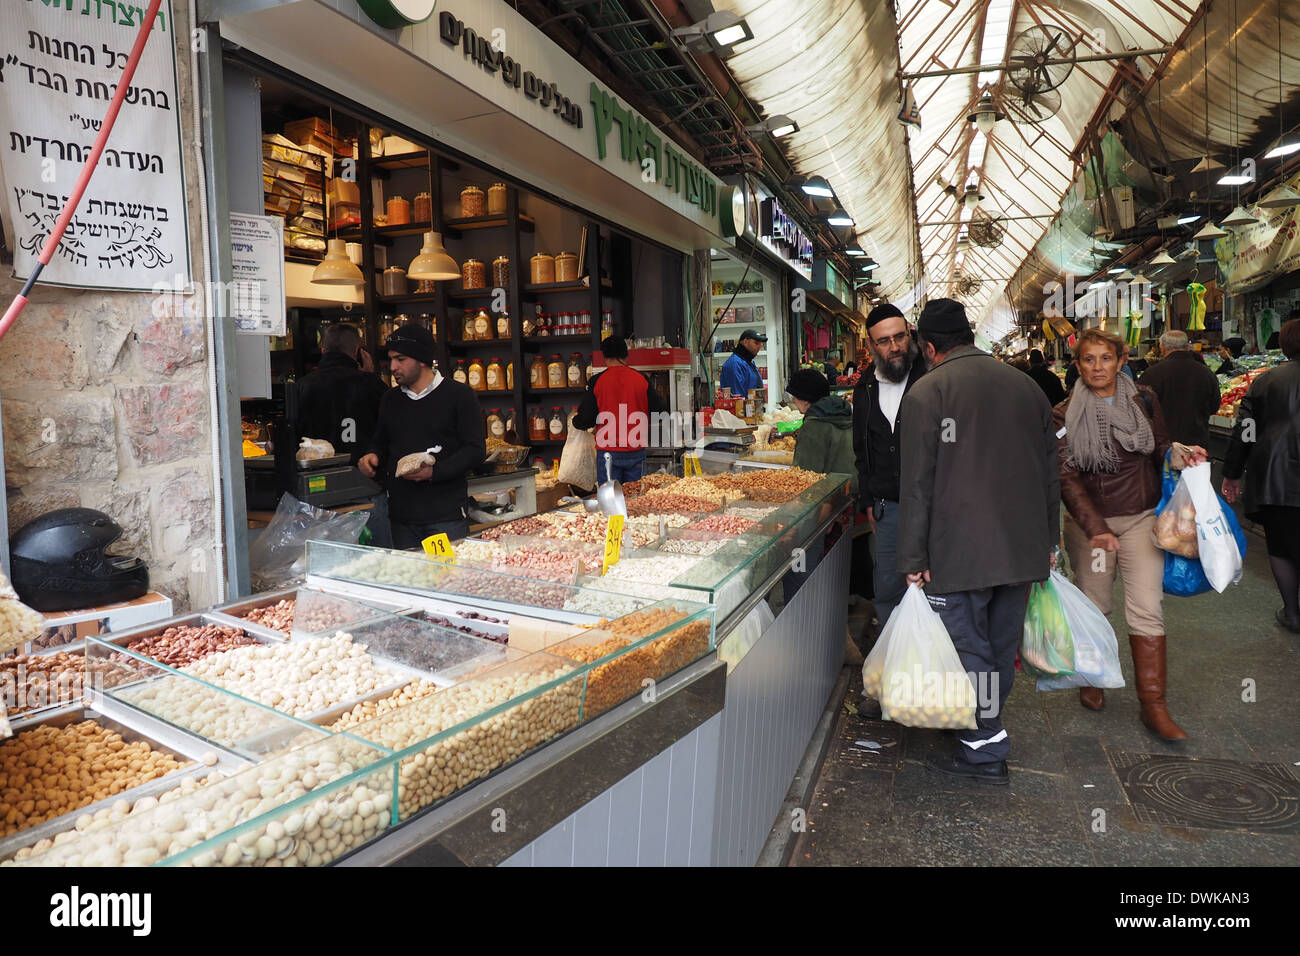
(1093, 698)
(1149, 668)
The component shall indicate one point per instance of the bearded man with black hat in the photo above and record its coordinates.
(981, 503)
(877, 431)
(426, 413)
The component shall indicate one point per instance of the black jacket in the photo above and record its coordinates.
(866, 399)
(981, 496)
(1049, 383)
(1188, 393)
(339, 399)
(1271, 461)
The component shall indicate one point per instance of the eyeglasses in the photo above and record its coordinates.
(898, 339)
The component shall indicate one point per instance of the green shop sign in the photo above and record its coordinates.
(395, 14)
(640, 143)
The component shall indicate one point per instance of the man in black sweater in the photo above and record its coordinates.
(1046, 378)
(425, 413)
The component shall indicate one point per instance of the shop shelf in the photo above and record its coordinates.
(403, 161)
(381, 233)
(578, 286)
(426, 298)
(543, 392)
(463, 294)
(503, 344)
(579, 342)
(465, 224)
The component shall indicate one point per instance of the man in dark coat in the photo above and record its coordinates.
(340, 400)
(1046, 378)
(980, 516)
(1187, 389)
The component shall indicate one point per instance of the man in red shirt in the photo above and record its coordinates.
(618, 404)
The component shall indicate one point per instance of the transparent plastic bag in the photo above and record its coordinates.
(312, 449)
(1046, 648)
(923, 683)
(1096, 649)
(873, 668)
(1175, 529)
(578, 459)
(277, 558)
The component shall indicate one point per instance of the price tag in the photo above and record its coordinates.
(613, 542)
(691, 465)
(438, 546)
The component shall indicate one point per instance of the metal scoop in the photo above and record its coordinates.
(609, 496)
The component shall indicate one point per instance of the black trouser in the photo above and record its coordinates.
(407, 537)
(986, 627)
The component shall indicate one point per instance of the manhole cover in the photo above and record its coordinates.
(1208, 793)
(862, 744)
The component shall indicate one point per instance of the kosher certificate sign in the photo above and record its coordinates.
(257, 269)
(60, 64)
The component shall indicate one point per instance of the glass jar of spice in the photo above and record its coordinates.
(482, 326)
(510, 376)
(460, 375)
(542, 268)
(537, 430)
(399, 211)
(501, 272)
(573, 374)
(422, 208)
(556, 424)
(537, 373)
(496, 199)
(503, 325)
(495, 376)
(473, 274)
(473, 202)
(555, 372)
(467, 331)
(566, 267)
(477, 380)
(496, 425)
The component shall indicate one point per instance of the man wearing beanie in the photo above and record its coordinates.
(425, 413)
(877, 432)
(980, 516)
(824, 442)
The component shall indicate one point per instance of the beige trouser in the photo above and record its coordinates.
(1141, 567)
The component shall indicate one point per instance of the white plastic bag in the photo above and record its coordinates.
(873, 668)
(313, 449)
(1096, 650)
(924, 683)
(578, 459)
(1220, 557)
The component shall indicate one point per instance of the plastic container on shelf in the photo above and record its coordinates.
(555, 424)
(501, 272)
(496, 199)
(473, 274)
(503, 325)
(460, 374)
(422, 208)
(398, 210)
(537, 427)
(482, 326)
(467, 328)
(542, 268)
(473, 202)
(393, 281)
(573, 372)
(566, 267)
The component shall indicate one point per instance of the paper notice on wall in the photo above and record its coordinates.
(257, 268)
(60, 63)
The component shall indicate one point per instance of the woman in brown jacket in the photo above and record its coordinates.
(1112, 445)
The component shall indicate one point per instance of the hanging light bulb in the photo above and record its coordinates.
(1239, 219)
(972, 197)
(986, 114)
(336, 268)
(1210, 231)
(433, 261)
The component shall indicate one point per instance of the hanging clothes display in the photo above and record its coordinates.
(1196, 321)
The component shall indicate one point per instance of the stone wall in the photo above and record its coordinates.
(105, 405)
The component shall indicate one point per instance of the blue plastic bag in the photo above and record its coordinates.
(1184, 577)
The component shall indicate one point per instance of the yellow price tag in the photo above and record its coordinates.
(613, 542)
(439, 546)
(691, 465)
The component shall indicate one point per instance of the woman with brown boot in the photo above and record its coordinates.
(1112, 449)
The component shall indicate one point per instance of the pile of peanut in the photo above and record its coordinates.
(179, 646)
(370, 709)
(658, 501)
(48, 771)
(30, 683)
(778, 484)
(278, 616)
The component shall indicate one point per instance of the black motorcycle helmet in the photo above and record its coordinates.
(59, 562)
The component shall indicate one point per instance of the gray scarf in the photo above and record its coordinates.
(1092, 427)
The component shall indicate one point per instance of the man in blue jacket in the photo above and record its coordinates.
(739, 372)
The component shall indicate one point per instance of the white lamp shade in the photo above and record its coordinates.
(1210, 231)
(1280, 198)
(1163, 258)
(1239, 218)
(433, 261)
(336, 268)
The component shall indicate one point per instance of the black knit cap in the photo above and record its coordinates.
(808, 384)
(413, 341)
(944, 316)
(886, 310)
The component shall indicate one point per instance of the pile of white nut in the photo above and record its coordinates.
(298, 678)
(310, 834)
(406, 571)
(451, 764)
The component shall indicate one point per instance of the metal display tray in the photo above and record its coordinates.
(133, 726)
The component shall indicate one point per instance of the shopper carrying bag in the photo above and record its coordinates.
(923, 683)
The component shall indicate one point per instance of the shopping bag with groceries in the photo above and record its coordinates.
(1096, 650)
(1185, 574)
(1046, 647)
(923, 682)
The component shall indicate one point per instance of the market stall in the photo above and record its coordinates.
(384, 707)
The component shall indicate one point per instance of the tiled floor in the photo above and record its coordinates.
(1233, 679)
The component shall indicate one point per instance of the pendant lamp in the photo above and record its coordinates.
(1163, 258)
(336, 268)
(1210, 231)
(1239, 219)
(1280, 198)
(433, 261)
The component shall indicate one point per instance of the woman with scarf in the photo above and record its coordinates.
(1112, 448)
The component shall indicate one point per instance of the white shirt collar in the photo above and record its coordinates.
(437, 380)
